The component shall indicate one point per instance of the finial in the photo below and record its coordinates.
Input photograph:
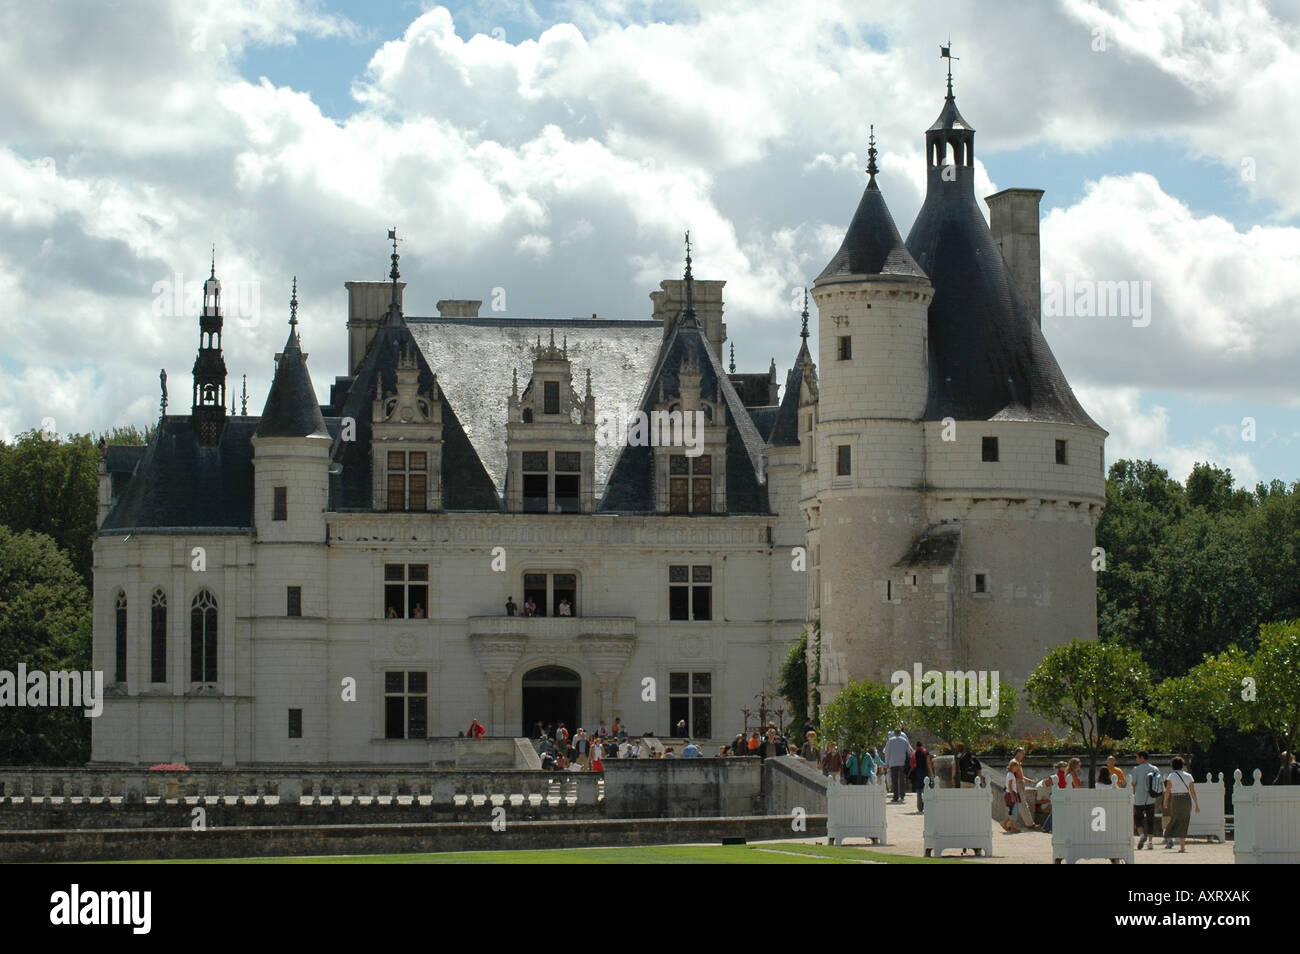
(690, 293)
(213, 273)
(552, 338)
(514, 382)
(162, 405)
(393, 273)
(804, 333)
(566, 346)
(293, 306)
(589, 382)
(732, 367)
(872, 169)
(243, 397)
(945, 52)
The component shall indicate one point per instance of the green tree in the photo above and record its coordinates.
(45, 622)
(964, 723)
(794, 681)
(859, 716)
(1211, 488)
(1191, 711)
(1272, 534)
(1080, 684)
(1275, 669)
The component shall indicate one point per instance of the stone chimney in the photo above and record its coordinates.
(1013, 220)
(367, 305)
(707, 299)
(458, 308)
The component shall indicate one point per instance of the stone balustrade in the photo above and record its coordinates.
(552, 627)
(27, 787)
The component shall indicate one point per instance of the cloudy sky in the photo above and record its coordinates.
(558, 150)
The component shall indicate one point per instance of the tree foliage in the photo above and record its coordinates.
(1080, 684)
(859, 716)
(794, 680)
(964, 723)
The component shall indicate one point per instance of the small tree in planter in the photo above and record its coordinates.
(860, 716)
(964, 723)
(1081, 683)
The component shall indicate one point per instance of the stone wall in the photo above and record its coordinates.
(683, 788)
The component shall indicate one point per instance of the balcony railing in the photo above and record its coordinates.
(560, 627)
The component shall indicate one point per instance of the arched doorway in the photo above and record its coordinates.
(551, 695)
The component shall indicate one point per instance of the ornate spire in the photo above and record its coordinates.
(162, 404)
(804, 332)
(690, 280)
(589, 382)
(514, 382)
(393, 273)
(213, 273)
(293, 307)
(732, 368)
(243, 398)
(872, 169)
(945, 52)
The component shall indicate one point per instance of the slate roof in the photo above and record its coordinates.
(179, 484)
(292, 408)
(120, 460)
(752, 387)
(872, 245)
(785, 429)
(474, 357)
(631, 483)
(466, 485)
(764, 418)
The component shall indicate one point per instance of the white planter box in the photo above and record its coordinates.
(1092, 823)
(1267, 822)
(1209, 822)
(855, 811)
(958, 818)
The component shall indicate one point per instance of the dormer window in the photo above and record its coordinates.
(550, 397)
(408, 480)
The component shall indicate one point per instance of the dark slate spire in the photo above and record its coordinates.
(292, 409)
(803, 332)
(988, 358)
(689, 311)
(732, 368)
(394, 316)
(872, 245)
(209, 406)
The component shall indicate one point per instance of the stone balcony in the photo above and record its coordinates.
(552, 627)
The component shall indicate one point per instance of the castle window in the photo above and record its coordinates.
(550, 397)
(980, 583)
(989, 450)
(294, 601)
(406, 590)
(690, 592)
(408, 480)
(203, 638)
(690, 484)
(1060, 452)
(550, 591)
(119, 641)
(295, 723)
(406, 705)
(889, 591)
(568, 482)
(158, 637)
(690, 700)
(537, 475)
(280, 507)
(843, 460)
(845, 350)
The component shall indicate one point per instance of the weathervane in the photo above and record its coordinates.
(945, 52)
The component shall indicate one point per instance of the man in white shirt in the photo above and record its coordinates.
(1144, 803)
(897, 752)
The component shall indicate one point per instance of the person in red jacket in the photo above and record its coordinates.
(476, 730)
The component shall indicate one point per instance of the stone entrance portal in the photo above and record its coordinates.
(551, 695)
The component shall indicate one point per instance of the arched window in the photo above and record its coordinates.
(158, 637)
(203, 638)
(119, 641)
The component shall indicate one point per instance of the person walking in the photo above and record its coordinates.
(1147, 785)
(922, 768)
(1010, 797)
(832, 763)
(897, 753)
(597, 756)
(1026, 815)
(1180, 797)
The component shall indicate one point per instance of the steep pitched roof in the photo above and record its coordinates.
(292, 408)
(872, 245)
(179, 484)
(631, 483)
(466, 484)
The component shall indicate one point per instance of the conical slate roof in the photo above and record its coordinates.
(292, 409)
(872, 245)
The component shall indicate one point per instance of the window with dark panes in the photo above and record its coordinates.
(1060, 452)
(280, 506)
(406, 590)
(690, 700)
(568, 482)
(535, 590)
(989, 449)
(203, 638)
(158, 637)
(690, 484)
(844, 460)
(981, 583)
(406, 705)
(408, 480)
(564, 587)
(690, 592)
(119, 641)
(294, 601)
(295, 723)
(845, 347)
(550, 397)
(537, 474)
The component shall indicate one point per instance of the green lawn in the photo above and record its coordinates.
(780, 853)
